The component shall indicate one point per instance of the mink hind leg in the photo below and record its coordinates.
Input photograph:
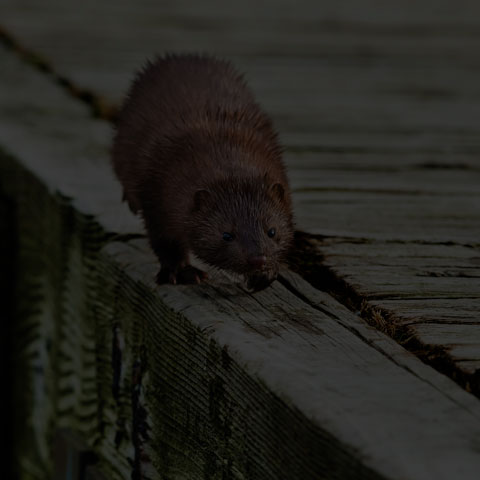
(174, 259)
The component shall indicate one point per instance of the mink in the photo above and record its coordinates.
(201, 162)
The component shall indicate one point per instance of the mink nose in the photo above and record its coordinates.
(258, 262)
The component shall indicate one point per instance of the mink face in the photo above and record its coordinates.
(199, 160)
(242, 225)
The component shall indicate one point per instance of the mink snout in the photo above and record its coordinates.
(258, 262)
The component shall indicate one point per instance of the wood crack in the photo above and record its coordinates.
(307, 261)
(99, 106)
(358, 334)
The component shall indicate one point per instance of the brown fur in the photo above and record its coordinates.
(198, 157)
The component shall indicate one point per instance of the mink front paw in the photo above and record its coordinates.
(184, 275)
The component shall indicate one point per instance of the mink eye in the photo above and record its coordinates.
(271, 233)
(228, 237)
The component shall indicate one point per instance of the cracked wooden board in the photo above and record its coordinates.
(432, 290)
(377, 105)
(292, 330)
(196, 381)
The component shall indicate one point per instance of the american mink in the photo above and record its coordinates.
(200, 160)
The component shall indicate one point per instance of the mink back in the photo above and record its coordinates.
(180, 107)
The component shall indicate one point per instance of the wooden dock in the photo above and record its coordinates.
(343, 368)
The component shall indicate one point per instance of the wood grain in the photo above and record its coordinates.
(378, 107)
(205, 381)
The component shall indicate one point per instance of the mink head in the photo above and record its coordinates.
(244, 226)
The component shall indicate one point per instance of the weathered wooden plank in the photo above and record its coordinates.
(463, 341)
(394, 272)
(400, 284)
(430, 291)
(400, 217)
(196, 381)
(371, 93)
(30, 112)
(410, 175)
(161, 397)
(386, 103)
(433, 310)
(316, 341)
(345, 68)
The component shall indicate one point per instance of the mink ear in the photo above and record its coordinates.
(200, 198)
(277, 191)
